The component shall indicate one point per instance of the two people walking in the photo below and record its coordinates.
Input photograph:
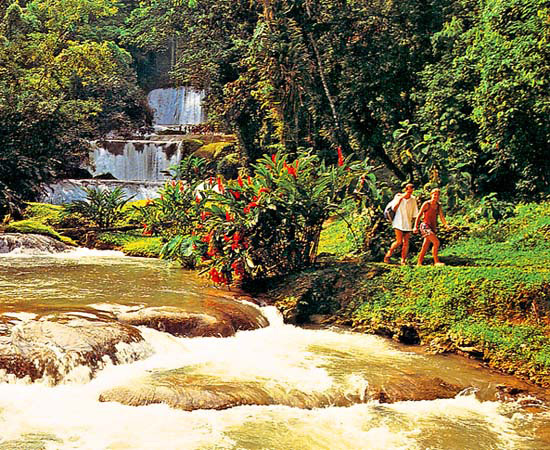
(409, 219)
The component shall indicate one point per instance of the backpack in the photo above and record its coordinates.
(389, 213)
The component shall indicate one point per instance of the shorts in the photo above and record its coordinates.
(425, 230)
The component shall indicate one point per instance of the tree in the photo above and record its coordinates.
(58, 86)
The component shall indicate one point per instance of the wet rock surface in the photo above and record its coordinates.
(196, 391)
(12, 241)
(51, 347)
(190, 391)
(215, 317)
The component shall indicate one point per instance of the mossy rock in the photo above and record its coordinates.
(214, 150)
(34, 227)
(146, 247)
(43, 212)
(191, 145)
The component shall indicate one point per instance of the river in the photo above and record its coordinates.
(279, 358)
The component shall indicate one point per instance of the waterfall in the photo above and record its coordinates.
(66, 191)
(135, 160)
(139, 166)
(176, 106)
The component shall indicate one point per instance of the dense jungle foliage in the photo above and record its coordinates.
(453, 92)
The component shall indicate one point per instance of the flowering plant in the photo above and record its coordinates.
(267, 223)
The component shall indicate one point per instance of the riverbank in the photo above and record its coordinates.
(490, 302)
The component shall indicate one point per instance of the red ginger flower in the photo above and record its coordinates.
(228, 216)
(274, 157)
(249, 180)
(340, 157)
(291, 170)
(240, 181)
(220, 186)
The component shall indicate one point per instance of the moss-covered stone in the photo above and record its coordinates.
(145, 247)
(214, 150)
(35, 227)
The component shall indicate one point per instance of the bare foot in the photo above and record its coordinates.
(387, 259)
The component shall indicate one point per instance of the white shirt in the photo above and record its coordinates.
(405, 214)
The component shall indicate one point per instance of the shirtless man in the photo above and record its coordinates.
(429, 213)
(406, 209)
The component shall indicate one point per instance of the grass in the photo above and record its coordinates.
(36, 227)
(132, 243)
(492, 299)
(336, 238)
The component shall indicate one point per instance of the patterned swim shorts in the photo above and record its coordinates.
(425, 230)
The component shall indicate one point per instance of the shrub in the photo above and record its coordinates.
(101, 206)
(269, 224)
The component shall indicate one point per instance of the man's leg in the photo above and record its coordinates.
(435, 248)
(423, 250)
(405, 248)
(398, 241)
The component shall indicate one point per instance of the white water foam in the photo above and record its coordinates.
(70, 416)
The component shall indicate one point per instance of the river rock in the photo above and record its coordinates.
(51, 347)
(189, 391)
(215, 317)
(196, 391)
(409, 389)
(23, 241)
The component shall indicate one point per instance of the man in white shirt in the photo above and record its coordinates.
(406, 209)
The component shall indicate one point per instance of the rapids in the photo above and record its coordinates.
(280, 358)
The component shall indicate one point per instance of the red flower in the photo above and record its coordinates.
(240, 181)
(291, 170)
(208, 237)
(249, 180)
(220, 186)
(246, 209)
(173, 183)
(252, 205)
(236, 194)
(340, 157)
(236, 238)
(197, 199)
(274, 157)
(226, 238)
(238, 268)
(264, 189)
(228, 216)
(205, 214)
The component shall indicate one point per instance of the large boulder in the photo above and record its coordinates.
(183, 389)
(213, 317)
(36, 242)
(188, 392)
(51, 347)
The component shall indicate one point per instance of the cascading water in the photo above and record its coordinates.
(176, 106)
(139, 166)
(267, 371)
(136, 160)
